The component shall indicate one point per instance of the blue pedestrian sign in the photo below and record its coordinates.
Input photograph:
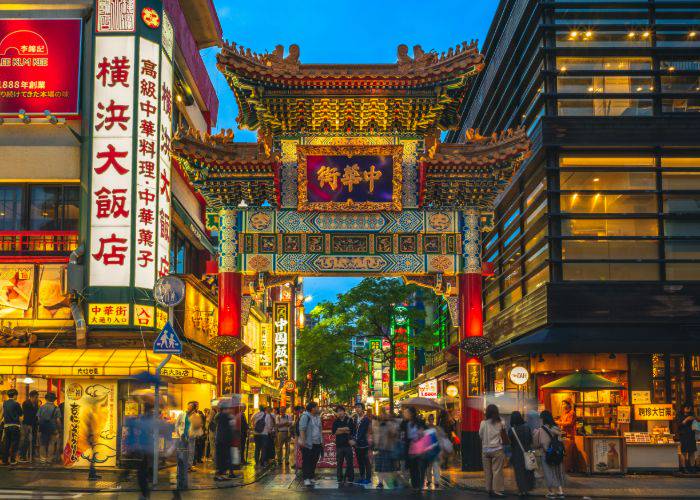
(167, 341)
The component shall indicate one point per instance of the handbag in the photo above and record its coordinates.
(530, 458)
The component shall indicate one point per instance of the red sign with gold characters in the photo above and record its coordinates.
(40, 65)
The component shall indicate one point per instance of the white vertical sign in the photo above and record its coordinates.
(147, 159)
(112, 162)
(164, 176)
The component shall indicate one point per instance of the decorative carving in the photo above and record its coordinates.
(246, 303)
(228, 240)
(471, 241)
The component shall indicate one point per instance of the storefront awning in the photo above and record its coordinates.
(116, 363)
(266, 388)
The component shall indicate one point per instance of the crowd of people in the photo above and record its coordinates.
(30, 431)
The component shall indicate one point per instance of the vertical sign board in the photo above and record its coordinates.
(131, 115)
(281, 312)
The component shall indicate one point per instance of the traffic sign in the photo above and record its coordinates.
(167, 341)
(169, 291)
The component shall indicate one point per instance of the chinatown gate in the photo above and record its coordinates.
(349, 177)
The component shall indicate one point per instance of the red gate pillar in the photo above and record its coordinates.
(471, 325)
(230, 281)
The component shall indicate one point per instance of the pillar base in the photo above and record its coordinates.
(471, 451)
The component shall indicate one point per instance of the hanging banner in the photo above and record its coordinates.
(281, 312)
(428, 389)
(90, 423)
(40, 66)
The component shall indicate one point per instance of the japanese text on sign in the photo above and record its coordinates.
(108, 314)
(281, 321)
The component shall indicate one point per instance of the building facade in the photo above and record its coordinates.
(595, 242)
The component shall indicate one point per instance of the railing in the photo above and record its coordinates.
(37, 242)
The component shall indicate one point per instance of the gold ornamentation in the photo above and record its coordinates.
(349, 151)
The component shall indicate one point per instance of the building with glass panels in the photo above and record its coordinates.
(596, 241)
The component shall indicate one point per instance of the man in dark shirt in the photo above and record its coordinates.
(344, 430)
(12, 412)
(29, 425)
(362, 443)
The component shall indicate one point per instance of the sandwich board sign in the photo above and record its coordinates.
(167, 341)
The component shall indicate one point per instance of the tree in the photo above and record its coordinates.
(323, 351)
(369, 308)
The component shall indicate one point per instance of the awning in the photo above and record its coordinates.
(646, 339)
(266, 388)
(116, 363)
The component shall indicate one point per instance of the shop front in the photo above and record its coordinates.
(98, 390)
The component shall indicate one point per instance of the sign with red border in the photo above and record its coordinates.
(40, 66)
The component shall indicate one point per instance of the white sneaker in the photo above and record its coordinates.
(307, 482)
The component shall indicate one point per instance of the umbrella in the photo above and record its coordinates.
(583, 381)
(421, 403)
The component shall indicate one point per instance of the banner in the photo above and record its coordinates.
(40, 65)
(90, 423)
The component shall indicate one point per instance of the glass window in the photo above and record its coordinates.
(11, 213)
(604, 107)
(533, 261)
(71, 208)
(680, 64)
(513, 217)
(680, 105)
(512, 276)
(512, 297)
(603, 63)
(537, 280)
(493, 256)
(680, 83)
(606, 161)
(683, 249)
(609, 249)
(535, 215)
(681, 228)
(492, 309)
(536, 238)
(678, 271)
(604, 84)
(44, 208)
(610, 271)
(492, 291)
(676, 162)
(511, 238)
(682, 203)
(490, 242)
(534, 193)
(609, 227)
(590, 38)
(597, 180)
(608, 203)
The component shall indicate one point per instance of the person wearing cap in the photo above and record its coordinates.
(30, 407)
(49, 419)
(12, 413)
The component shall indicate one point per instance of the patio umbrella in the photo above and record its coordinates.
(421, 403)
(583, 381)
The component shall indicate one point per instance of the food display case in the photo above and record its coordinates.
(651, 451)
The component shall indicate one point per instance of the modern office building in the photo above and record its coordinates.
(596, 241)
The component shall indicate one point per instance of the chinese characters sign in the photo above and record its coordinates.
(108, 314)
(116, 16)
(130, 168)
(654, 412)
(40, 65)
(350, 178)
(401, 334)
(281, 314)
(473, 379)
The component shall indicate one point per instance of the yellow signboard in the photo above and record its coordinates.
(144, 316)
(653, 412)
(161, 318)
(108, 314)
(623, 414)
(90, 410)
(641, 397)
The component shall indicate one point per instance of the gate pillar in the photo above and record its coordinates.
(471, 325)
(230, 288)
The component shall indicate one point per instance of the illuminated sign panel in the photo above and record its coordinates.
(40, 65)
(281, 313)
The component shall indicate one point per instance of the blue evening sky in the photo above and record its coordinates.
(341, 31)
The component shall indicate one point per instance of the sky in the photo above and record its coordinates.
(341, 31)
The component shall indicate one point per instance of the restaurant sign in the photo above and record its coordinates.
(350, 178)
(40, 65)
(653, 412)
(90, 423)
(281, 315)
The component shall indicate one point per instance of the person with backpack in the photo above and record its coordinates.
(49, 417)
(547, 438)
(492, 432)
(262, 427)
(12, 413)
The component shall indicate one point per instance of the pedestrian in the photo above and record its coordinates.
(30, 407)
(223, 439)
(447, 424)
(271, 436)
(567, 424)
(201, 442)
(386, 442)
(262, 427)
(362, 442)
(520, 436)
(245, 430)
(414, 426)
(492, 432)
(311, 442)
(190, 428)
(211, 433)
(283, 424)
(686, 436)
(433, 473)
(547, 439)
(344, 432)
(12, 413)
(296, 415)
(49, 421)
(139, 446)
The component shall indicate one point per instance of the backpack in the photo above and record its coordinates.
(259, 427)
(554, 454)
(47, 421)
